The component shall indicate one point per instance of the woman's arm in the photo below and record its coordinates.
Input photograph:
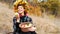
(31, 20)
(14, 20)
(14, 23)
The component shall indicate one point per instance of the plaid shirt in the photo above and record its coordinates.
(22, 19)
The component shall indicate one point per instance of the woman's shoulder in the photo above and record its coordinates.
(28, 18)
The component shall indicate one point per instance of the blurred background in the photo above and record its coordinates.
(45, 15)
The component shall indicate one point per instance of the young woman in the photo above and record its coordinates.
(20, 17)
(16, 20)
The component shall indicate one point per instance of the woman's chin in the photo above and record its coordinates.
(20, 12)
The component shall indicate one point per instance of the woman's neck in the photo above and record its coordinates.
(21, 14)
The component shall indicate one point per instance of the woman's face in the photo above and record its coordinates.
(20, 9)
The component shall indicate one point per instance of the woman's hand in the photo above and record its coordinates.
(17, 16)
(32, 28)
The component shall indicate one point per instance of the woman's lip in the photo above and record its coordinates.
(21, 10)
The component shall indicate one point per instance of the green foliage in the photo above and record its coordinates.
(51, 5)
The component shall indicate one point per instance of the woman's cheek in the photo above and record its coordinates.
(22, 10)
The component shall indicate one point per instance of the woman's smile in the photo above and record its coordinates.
(20, 9)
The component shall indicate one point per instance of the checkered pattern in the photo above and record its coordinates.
(22, 19)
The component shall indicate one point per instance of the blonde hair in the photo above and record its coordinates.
(18, 3)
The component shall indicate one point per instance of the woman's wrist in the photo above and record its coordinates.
(18, 20)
